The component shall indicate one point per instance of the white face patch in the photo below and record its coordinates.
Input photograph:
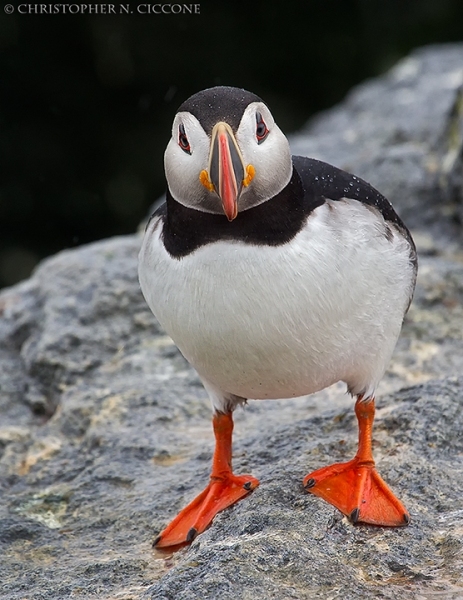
(270, 157)
(183, 168)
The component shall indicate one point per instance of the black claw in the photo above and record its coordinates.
(247, 485)
(310, 483)
(406, 519)
(157, 540)
(190, 536)
(354, 515)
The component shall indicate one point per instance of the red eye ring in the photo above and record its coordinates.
(183, 140)
(261, 128)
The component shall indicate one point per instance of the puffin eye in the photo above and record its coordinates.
(261, 128)
(183, 140)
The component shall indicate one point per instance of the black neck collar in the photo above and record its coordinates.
(271, 223)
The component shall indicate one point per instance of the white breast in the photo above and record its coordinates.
(275, 322)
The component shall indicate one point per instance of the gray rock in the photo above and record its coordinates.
(284, 544)
(105, 429)
(404, 134)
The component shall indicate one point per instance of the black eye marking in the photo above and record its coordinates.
(183, 140)
(261, 128)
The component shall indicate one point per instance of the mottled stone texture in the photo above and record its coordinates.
(104, 428)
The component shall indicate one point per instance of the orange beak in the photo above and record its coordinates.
(226, 168)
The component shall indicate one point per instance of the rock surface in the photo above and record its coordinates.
(105, 430)
(404, 134)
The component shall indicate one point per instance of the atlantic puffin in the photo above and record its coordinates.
(276, 276)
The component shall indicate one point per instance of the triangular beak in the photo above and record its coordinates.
(226, 168)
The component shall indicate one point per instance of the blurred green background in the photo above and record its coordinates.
(86, 101)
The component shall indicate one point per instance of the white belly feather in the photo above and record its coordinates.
(275, 322)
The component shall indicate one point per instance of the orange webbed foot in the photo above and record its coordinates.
(355, 487)
(359, 492)
(198, 515)
(225, 488)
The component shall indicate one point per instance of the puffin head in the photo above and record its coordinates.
(226, 153)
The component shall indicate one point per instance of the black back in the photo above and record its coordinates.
(323, 181)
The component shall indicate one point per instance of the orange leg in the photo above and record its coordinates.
(224, 489)
(355, 487)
